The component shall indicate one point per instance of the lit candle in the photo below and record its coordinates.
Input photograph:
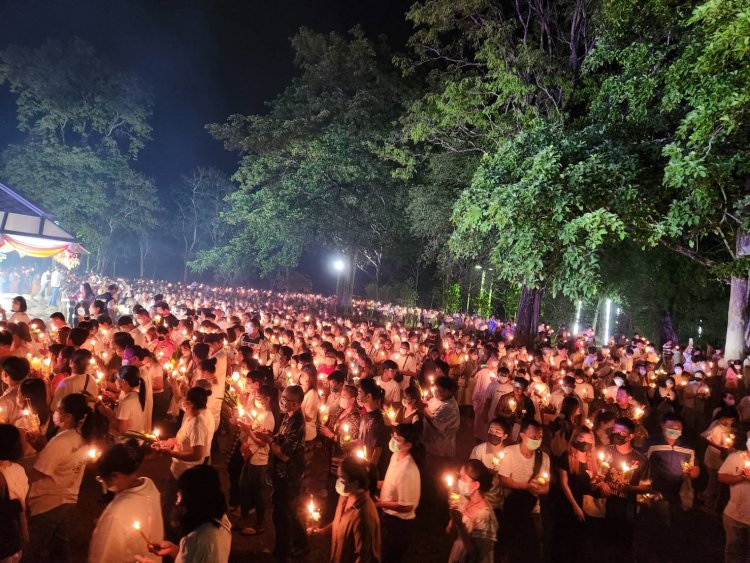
(346, 437)
(137, 526)
(543, 478)
(362, 453)
(391, 414)
(313, 510)
(93, 453)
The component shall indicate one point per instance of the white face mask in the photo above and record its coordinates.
(341, 488)
(463, 489)
(56, 418)
(344, 403)
(394, 446)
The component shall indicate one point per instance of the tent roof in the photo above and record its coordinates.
(18, 216)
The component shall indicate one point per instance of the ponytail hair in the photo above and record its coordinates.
(132, 376)
(77, 406)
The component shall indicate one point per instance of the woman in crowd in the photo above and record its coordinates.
(56, 481)
(136, 500)
(355, 530)
(412, 402)
(32, 398)
(472, 517)
(19, 307)
(14, 486)
(257, 431)
(129, 414)
(576, 469)
(400, 492)
(204, 526)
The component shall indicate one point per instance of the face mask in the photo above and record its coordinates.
(583, 446)
(494, 440)
(567, 390)
(677, 371)
(729, 402)
(463, 489)
(503, 379)
(56, 418)
(343, 403)
(619, 439)
(341, 488)
(393, 446)
(672, 433)
(533, 444)
(619, 381)
(747, 444)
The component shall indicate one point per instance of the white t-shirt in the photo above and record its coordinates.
(311, 408)
(75, 384)
(114, 539)
(129, 408)
(392, 390)
(195, 431)
(207, 543)
(738, 507)
(744, 409)
(519, 468)
(401, 484)
(265, 422)
(16, 480)
(62, 461)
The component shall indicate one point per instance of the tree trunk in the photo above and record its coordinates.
(527, 319)
(667, 329)
(597, 311)
(737, 317)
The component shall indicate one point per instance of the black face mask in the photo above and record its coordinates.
(494, 440)
(619, 439)
(583, 446)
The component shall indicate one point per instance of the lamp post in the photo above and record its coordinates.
(338, 265)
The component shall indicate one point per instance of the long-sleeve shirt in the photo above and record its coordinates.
(355, 531)
(439, 431)
(291, 440)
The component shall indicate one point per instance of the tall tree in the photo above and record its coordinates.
(196, 203)
(506, 91)
(85, 122)
(312, 170)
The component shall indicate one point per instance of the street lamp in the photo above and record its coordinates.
(338, 265)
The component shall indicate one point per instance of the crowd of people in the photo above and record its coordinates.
(349, 424)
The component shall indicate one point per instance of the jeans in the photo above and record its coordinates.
(54, 294)
(251, 492)
(49, 536)
(290, 534)
(737, 549)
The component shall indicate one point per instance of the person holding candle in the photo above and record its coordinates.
(672, 469)
(308, 380)
(720, 439)
(373, 432)
(34, 422)
(19, 307)
(287, 464)
(391, 387)
(576, 468)
(136, 499)
(400, 492)
(524, 474)
(14, 371)
(355, 529)
(621, 486)
(412, 403)
(56, 480)
(14, 486)
(257, 429)
(515, 406)
(735, 473)
(473, 518)
(79, 381)
(204, 526)
(490, 453)
(129, 414)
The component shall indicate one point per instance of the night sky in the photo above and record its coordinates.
(203, 60)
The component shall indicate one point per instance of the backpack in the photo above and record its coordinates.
(10, 516)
